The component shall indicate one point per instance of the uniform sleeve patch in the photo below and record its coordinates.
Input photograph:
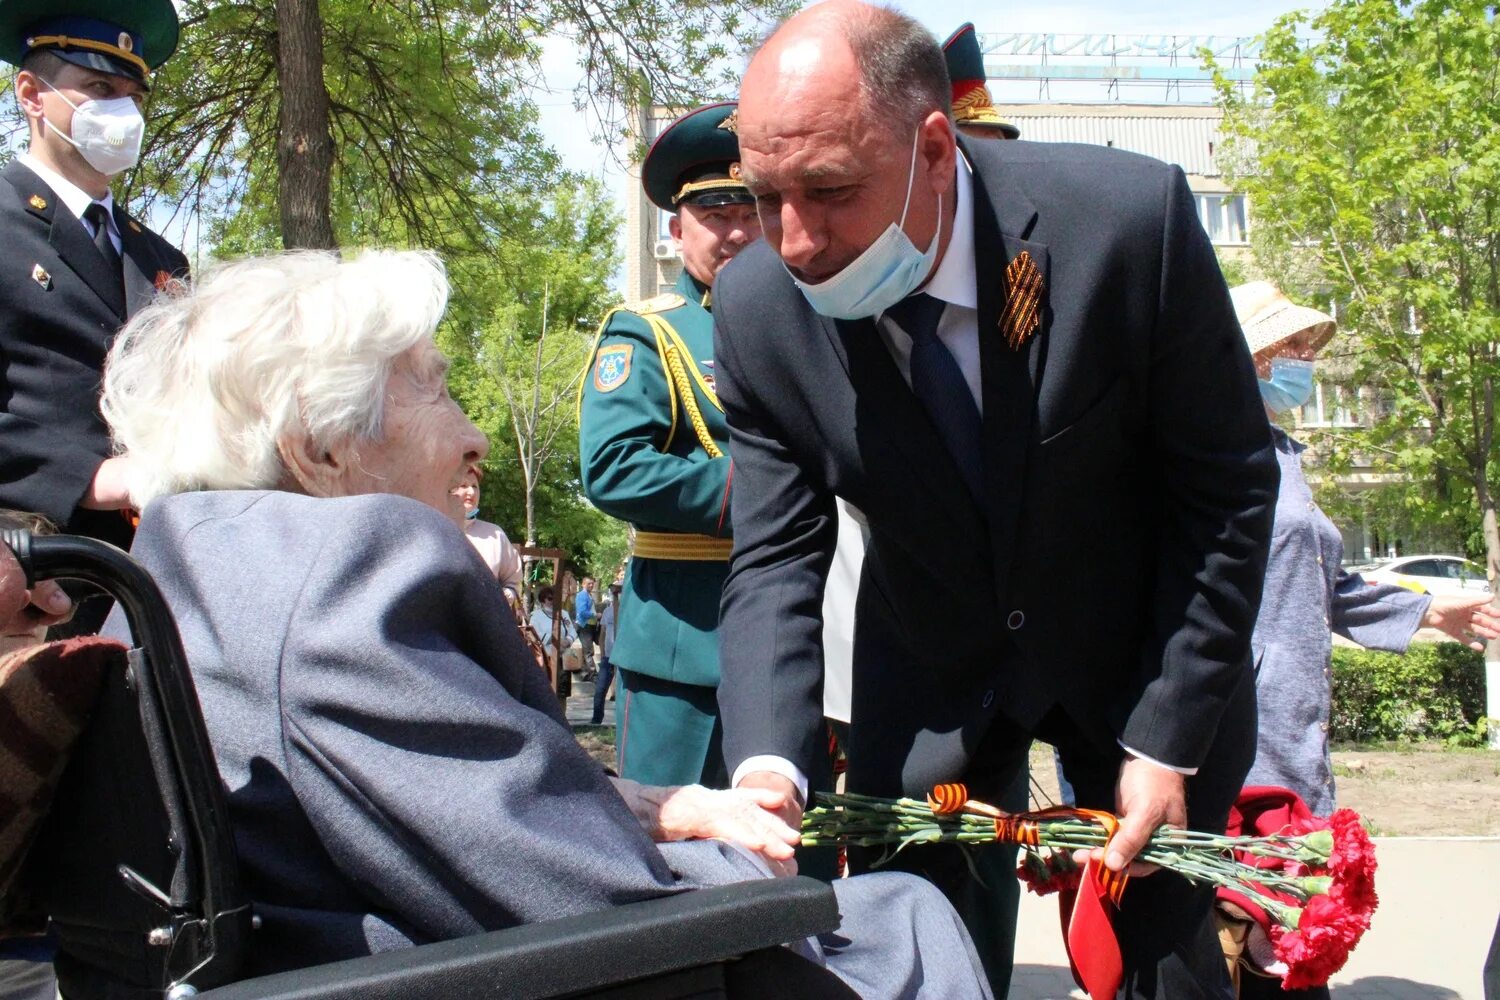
(612, 367)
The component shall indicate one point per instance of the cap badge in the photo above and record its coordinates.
(732, 123)
(734, 171)
(127, 43)
(37, 202)
(41, 277)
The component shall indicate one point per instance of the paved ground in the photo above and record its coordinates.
(1439, 902)
(1438, 905)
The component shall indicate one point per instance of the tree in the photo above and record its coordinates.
(520, 338)
(351, 116)
(1371, 156)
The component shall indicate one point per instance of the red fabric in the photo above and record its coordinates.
(1093, 949)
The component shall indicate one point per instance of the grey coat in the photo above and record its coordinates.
(1306, 594)
(397, 767)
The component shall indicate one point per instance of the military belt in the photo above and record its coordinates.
(673, 545)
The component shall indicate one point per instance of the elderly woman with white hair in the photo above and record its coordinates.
(397, 769)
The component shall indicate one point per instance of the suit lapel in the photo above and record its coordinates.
(67, 235)
(1010, 376)
(140, 274)
(895, 418)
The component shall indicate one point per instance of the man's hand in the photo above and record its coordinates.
(1147, 796)
(745, 816)
(108, 491)
(790, 810)
(1468, 619)
(749, 817)
(22, 611)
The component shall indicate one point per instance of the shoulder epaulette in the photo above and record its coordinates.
(664, 302)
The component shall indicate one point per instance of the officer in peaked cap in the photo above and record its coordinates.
(652, 447)
(74, 265)
(973, 111)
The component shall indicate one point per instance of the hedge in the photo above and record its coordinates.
(1433, 692)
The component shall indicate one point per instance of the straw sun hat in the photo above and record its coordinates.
(1268, 317)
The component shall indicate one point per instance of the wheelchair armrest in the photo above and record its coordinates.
(558, 957)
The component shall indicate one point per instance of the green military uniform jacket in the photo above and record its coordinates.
(647, 419)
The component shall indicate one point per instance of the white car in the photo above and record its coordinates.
(1431, 575)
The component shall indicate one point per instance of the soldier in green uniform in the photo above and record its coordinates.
(652, 446)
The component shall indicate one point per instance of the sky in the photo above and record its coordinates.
(1134, 17)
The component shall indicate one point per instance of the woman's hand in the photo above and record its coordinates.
(742, 816)
(1468, 619)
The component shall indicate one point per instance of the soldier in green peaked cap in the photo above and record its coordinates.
(652, 446)
(74, 265)
(973, 111)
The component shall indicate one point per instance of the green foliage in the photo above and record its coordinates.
(519, 385)
(1371, 155)
(1435, 691)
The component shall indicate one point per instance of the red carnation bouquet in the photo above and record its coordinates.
(1304, 938)
(1307, 883)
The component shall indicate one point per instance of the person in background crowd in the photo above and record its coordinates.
(395, 774)
(552, 624)
(76, 264)
(1011, 357)
(586, 617)
(1307, 592)
(653, 449)
(489, 539)
(607, 623)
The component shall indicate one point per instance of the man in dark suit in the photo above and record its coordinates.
(74, 265)
(1060, 434)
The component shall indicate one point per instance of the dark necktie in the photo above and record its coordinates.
(939, 384)
(97, 216)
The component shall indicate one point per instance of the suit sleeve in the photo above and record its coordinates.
(43, 471)
(425, 749)
(1219, 478)
(621, 434)
(771, 615)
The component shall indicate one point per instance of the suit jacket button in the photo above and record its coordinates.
(989, 699)
(1015, 621)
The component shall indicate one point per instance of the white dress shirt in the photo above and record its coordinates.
(74, 197)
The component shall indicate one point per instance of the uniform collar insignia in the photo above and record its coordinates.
(41, 277)
(37, 202)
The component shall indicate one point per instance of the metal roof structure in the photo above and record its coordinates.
(1186, 135)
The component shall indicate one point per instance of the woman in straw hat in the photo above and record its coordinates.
(1307, 593)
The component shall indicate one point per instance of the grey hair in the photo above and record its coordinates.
(903, 75)
(200, 389)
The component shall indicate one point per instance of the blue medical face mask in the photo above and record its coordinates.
(472, 515)
(1290, 384)
(888, 271)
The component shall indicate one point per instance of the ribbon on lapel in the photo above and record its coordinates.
(1024, 289)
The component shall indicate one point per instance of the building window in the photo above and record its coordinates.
(1223, 217)
(663, 224)
(1330, 406)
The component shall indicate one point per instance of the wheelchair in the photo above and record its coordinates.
(135, 868)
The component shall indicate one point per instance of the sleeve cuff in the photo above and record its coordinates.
(1152, 760)
(776, 765)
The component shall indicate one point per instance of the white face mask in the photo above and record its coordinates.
(888, 271)
(108, 133)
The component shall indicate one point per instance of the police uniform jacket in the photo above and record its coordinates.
(648, 412)
(60, 308)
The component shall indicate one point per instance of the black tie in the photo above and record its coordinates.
(939, 384)
(97, 216)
